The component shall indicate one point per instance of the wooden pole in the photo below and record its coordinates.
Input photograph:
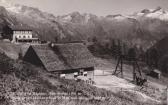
(93, 74)
(122, 66)
(134, 74)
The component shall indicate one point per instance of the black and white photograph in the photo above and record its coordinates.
(83, 52)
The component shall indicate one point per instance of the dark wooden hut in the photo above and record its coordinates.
(66, 58)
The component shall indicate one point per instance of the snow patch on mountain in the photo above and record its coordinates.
(118, 17)
(6, 3)
(158, 13)
(87, 17)
(15, 9)
(67, 18)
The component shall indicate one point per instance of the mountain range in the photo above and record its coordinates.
(143, 28)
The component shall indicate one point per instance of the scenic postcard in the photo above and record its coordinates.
(83, 52)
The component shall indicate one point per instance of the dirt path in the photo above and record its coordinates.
(116, 84)
(110, 82)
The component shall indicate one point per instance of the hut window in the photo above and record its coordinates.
(62, 76)
(85, 74)
(75, 74)
(81, 72)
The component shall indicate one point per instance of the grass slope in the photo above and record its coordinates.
(18, 76)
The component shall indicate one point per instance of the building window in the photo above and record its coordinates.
(85, 74)
(24, 36)
(81, 72)
(75, 74)
(62, 76)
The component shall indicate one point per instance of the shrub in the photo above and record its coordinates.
(6, 64)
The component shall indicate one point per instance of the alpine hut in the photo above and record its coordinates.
(69, 60)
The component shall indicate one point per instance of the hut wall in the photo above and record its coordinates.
(69, 74)
(155, 74)
(90, 74)
(32, 57)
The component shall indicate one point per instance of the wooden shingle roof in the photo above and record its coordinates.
(64, 56)
(20, 28)
(49, 59)
(75, 54)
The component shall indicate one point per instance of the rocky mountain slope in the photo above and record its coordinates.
(143, 28)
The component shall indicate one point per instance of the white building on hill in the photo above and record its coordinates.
(20, 34)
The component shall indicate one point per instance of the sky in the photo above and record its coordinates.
(97, 7)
